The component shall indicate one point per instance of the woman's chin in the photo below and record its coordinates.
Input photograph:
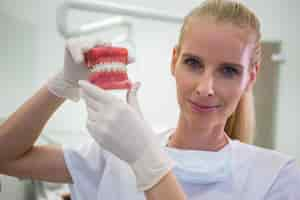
(202, 121)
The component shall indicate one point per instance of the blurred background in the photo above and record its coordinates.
(32, 50)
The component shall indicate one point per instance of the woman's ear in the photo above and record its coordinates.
(174, 59)
(252, 77)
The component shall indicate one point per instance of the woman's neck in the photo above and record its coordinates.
(198, 138)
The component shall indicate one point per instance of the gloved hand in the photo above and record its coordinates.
(119, 128)
(65, 83)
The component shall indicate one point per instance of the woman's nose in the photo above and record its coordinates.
(205, 85)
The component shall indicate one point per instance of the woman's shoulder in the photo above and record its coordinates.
(260, 154)
(248, 154)
(272, 171)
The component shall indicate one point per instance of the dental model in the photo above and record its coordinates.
(108, 69)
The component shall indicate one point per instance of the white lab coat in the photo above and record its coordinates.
(256, 174)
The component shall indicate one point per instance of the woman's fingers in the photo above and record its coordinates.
(96, 93)
(131, 97)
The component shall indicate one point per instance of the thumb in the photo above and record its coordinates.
(131, 97)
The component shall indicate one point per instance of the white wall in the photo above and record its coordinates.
(31, 50)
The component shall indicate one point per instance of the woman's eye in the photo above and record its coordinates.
(230, 71)
(192, 62)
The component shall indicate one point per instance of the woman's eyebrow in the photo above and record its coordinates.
(191, 55)
(232, 64)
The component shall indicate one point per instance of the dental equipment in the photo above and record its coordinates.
(105, 7)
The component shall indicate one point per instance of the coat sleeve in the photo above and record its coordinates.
(86, 166)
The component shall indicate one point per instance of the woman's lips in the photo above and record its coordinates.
(203, 108)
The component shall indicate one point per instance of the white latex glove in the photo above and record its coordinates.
(119, 128)
(65, 83)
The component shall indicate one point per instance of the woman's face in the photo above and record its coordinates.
(212, 70)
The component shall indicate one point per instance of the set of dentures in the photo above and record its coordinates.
(107, 65)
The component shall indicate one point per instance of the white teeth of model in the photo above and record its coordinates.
(108, 67)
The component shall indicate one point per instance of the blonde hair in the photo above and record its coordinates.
(241, 124)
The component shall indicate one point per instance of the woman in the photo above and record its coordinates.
(215, 65)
